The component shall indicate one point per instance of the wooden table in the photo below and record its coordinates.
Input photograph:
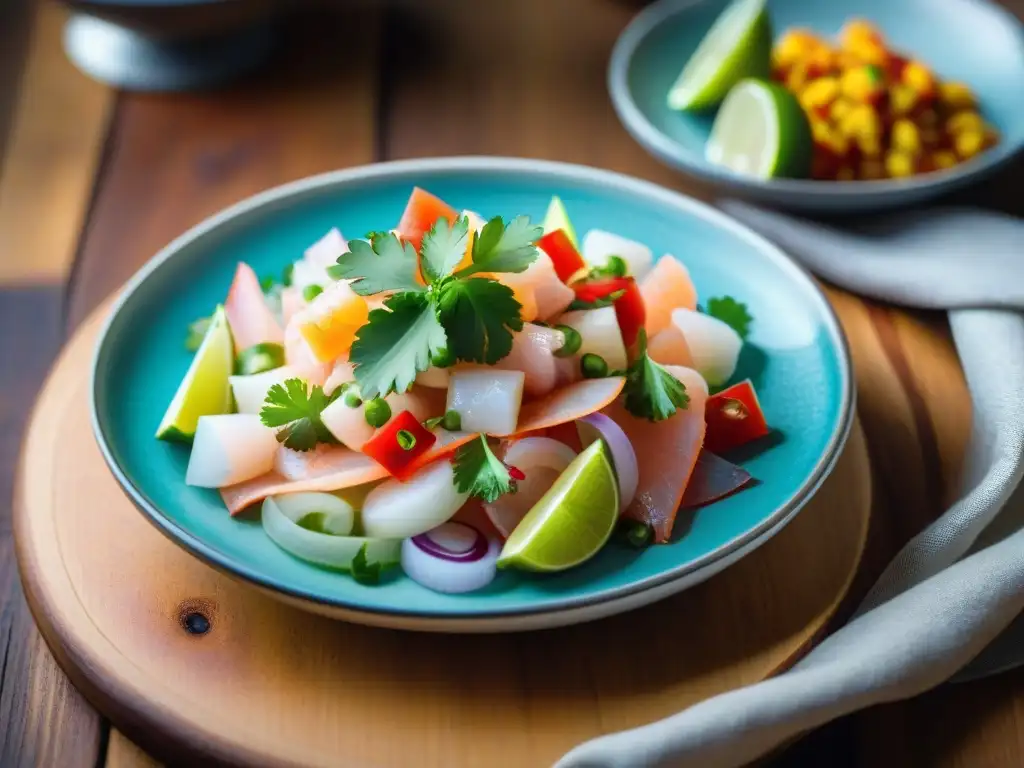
(94, 182)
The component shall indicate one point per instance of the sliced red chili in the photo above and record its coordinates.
(563, 254)
(734, 418)
(399, 444)
(629, 302)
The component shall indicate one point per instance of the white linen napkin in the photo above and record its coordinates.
(959, 583)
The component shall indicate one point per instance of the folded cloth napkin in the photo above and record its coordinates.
(960, 582)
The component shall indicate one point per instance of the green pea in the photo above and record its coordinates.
(377, 412)
(639, 535)
(267, 284)
(310, 292)
(443, 359)
(259, 358)
(593, 366)
(572, 343)
(452, 421)
(286, 275)
(616, 266)
(353, 397)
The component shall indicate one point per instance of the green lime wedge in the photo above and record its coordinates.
(558, 218)
(738, 45)
(205, 390)
(761, 130)
(572, 521)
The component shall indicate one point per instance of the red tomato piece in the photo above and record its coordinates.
(563, 254)
(421, 213)
(629, 307)
(398, 444)
(734, 418)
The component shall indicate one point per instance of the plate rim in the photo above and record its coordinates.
(676, 156)
(683, 575)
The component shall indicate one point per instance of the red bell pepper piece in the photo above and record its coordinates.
(398, 444)
(629, 307)
(563, 254)
(734, 418)
(421, 213)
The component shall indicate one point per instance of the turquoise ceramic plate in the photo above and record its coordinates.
(797, 358)
(974, 41)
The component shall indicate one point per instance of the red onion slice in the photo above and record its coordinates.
(598, 425)
(455, 542)
(439, 559)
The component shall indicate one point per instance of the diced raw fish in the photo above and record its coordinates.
(666, 453)
(341, 373)
(250, 318)
(230, 448)
(291, 303)
(713, 344)
(311, 269)
(550, 296)
(669, 347)
(569, 403)
(668, 286)
(421, 213)
(600, 334)
(250, 391)
(299, 356)
(599, 246)
(487, 400)
(533, 353)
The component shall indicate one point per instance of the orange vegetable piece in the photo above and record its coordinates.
(330, 322)
(421, 212)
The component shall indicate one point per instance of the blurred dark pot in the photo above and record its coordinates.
(162, 45)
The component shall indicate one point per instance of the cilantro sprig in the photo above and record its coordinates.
(731, 312)
(652, 392)
(296, 408)
(480, 473)
(470, 316)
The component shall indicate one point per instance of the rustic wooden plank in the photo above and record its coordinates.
(57, 132)
(52, 122)
(44, 720)
(122, 753)
(178, 159)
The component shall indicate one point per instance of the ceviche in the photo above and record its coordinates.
(460, 395)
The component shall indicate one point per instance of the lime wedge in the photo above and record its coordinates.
(572, 521)
(558, 218)
(205, 390)
(761, 131)
(738, 45)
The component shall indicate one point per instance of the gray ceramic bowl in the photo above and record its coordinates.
(168, 45)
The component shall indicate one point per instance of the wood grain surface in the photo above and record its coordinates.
(273, 685)
(359, 83)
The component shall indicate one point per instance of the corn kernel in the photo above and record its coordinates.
(861, 120)
(943, 158)
(839, 109)
(856, 30)
(964, 121)
(899, 164)
(863, 84)
(870, 145)
(956, 96)
(845, 60)
(906, 137)
(871, 169)
(920, 78)
(902, 99)
(820, 61)
(968, 143)
(819, 94)
(794, 46)
(870, 52)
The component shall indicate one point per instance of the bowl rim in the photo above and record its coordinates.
(684, 574)
(674, 154)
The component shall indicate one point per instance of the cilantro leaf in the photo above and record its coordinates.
(731, 312)
(383, 264)
(363, 571)
(480, 473)
(395, 344)
(297, 409)
(443, 247)
(604, 301)
(501, 248)
(652, 392)
(479, 316)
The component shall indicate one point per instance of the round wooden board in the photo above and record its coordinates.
(271, 685)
